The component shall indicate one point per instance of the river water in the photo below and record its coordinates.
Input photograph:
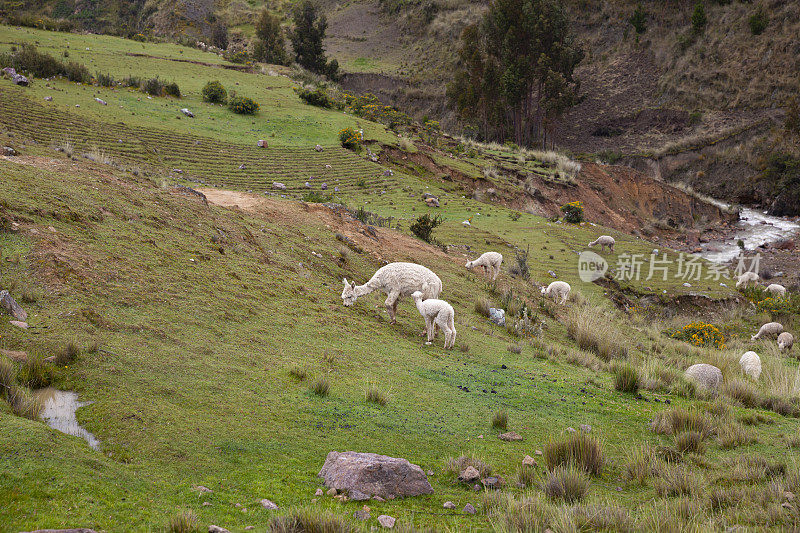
(58, 411)
(754, 229)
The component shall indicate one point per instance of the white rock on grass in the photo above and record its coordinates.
(217, 529)
(449, 505)
(469, 509)
(386, 521)
(268, 504)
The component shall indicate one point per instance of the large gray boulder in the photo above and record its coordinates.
(19, 79)
(705, 376)
(11, 306)
(374, 475)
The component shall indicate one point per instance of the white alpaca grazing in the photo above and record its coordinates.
(490, 261)
(745, 279)
(776, 290)
(437, 313)
(785, 341)
(557, 290)
(768, 329)
(603, 241)
(396, 280)
(751, 364)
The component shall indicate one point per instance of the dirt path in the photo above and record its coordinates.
(224, 198)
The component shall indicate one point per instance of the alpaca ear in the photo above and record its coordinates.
(344, 280)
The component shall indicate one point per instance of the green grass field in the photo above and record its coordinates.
(200, 312)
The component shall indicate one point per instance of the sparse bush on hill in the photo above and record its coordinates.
(482, 306)
(519, 269)
(350, 138)
(172, 89)
(242, 105)
(639, 19)
(307, 37)
(270, 45)
(132, 81)
(500, 420)
(374, 395)
(30, 60)
(573, 212)
(700, 334)
(153, 86)
(626, 379)
(105, 80)
(316, 96)
(758, 21)
(566, 483)
(239, 57)
(424, 225)
(578, 449)
(699, 19)
(184, 522)
(215, 93)
(321, 386)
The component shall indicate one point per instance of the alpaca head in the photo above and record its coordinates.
(349, 294)
(468, 265)
(543, 289)
(591, 244)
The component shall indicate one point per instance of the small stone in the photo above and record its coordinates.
(331, 492)
(19, 324)
(469, 509)
(248, 528)
(538, 452)
(200, 489)
(469, 474)
(318, 148)
(361, 515)
(571, 430)
(476, 487)
(386, 521)
(449, 505)
(314, 500)
(268, 504)
(278, 185)
(10, 305)
(341, 497)
(262, 143)
(217, 529)
(378, 499)
(358, 496)
(206, 504)
(510, 436)
(492, 482)
(319, 492)
(789, 496)
(307, 185)
(100, 101)
(528, 461)
(9, 152)
(187, 113)
(430, 472)
(324, 186)
(241, 167)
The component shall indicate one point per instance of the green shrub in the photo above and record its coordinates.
(699, 19)
(321, 387)
(298, 373)
(243, 105)
(482, 306)
(758, 21)
(132, 81)
(105, 80)
(172, 89)
(576, 449)
(316, 97)
(316, 197)
(424, 225)
(500, 420)
(153, 87)
(350, 138)
(626, 379)
(566, 483)
(35, 372)
(573, 212)
(375, 395)
(639, 19)
(215, 93)
(236, 56)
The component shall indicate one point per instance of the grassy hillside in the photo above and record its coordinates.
(202, 329)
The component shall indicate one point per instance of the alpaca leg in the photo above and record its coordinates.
(611, 247)
(431, 330)
(452, 326)
(391, 305)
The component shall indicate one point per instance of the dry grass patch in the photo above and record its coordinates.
(482, 306)
(641, 464)
(577, 449)
(321, 386)
(456, 465)
(374, 395)
(678, 419)
(184, 522)
(566, 483)
(500, 420)
(590, 329)
(601, 517)
(309, 521)
(626, 379)
(732, 435)
(677, 480)
(751, 468)
(298, 373)
(689, 442)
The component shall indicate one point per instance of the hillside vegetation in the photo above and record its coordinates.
(196, 303)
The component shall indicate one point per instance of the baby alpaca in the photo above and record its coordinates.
(785, 341)
(489, 261)
(603, 241)
(751, 364)
(768, 329)
(437, 313)
(556, 290)
(745, 279)
(776, 290)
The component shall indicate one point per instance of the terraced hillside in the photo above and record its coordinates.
(204, 331)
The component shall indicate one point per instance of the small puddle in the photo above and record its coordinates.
(58, 411)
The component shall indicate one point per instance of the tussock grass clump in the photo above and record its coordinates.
(22, 402)
(689, 442)
(375, 395)
(751, 468)
(677, 420)
(8, 374)
(601, 517)
(298, 373)
(184, 522)
(641, 464)
(515, 348)
(677, 481)
(500, 420)
(482, 306)
(743, 392)
(589, 328)
(577, 449)
(733, 435)
(626, 379)
(68, 354)
(321, 386)
(566, 483)
(35, 372)
(527, 476)
(456, 465)
(309, 521)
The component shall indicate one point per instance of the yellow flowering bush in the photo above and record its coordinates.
(773, 306)
(573, 212)
(350, 137)
(701, 334)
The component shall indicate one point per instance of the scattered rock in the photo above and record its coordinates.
(388, 172)
(362, 514)
(9, 152)
(10, 305)
(469, 474)
(319, 492)
(19, 79)
(379, 499)
(336, 189)
(552, 274)
(538, 452)
(241, 167)
(570, 430)
(432, 202)
(206, 504)
(374, 475)
(217, 529)
(324, 186)
(10, 72)
(469, 509)
(278, 185)
(187, 113)
(100, 101)
(268, 504)
(16, 356)
(332, 492)
(262, 143)
(449, 505)
(705, 375)
(492, 482)
(510, 436)
(528, 461)
(498, 316)
(386, 521)
(19, 324)
(318, 148)
(341, 497)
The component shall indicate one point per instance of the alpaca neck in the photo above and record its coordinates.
(362, 290)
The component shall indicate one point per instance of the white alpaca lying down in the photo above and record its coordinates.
(603, 241)
(490, 261)
(557, 290)
(785, 341)
(745, 279)
(437, 313)
(776, 290)
(768, 329)
(751, 364)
